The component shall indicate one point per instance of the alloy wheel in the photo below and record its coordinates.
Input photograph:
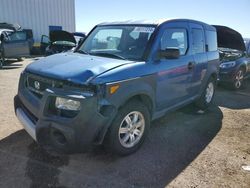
(209, 92)
(131, 129)
(239, 79)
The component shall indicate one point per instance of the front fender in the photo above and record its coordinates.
(110, 104)
(130, 88)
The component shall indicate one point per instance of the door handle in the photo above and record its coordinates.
(190, 65)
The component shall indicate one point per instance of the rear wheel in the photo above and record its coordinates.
(129, 129)
(238, 81)
(1, 62)
(207, 96)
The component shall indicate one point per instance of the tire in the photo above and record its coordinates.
(124, 137)
(238, 80)
(207, 96)
(1, 62)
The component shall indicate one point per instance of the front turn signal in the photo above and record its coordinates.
(113, 88)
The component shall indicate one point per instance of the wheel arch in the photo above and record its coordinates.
(244, 67)
(143, 98)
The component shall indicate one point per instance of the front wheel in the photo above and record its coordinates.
(1, 64)
(1, 60)
(238, 81)
(207, 96)
(128, 129)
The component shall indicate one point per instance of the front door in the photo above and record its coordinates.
(16, 45)
(174, 75)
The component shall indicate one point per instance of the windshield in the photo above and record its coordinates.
(122, 42)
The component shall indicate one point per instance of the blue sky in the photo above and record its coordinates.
(235, 14)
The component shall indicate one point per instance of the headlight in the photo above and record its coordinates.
(67, 104)
(227, 65)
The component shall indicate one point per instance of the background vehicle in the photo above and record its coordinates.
(15, 44)
(247, 41)
(79, 36)
(234, 57)
(14, 27)
(60, 41)
(124, 75)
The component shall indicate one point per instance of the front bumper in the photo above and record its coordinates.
(28, 125)
(53, 131)
(226, 75)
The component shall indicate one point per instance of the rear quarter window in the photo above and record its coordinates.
(211, 40)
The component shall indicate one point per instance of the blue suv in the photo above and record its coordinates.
(123, 76)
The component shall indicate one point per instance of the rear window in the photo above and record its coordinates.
(211, 39)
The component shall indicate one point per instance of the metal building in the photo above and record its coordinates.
(39, 15)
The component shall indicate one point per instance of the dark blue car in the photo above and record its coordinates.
(123, 76)
(234, 57)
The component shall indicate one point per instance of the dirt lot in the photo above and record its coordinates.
(184, 149)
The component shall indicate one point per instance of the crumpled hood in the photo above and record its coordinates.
(58, 35)
(73, 67)
(229, 38)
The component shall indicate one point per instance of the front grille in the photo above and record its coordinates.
(37, 84)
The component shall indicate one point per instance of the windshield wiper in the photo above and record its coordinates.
(108, 55)
(82, 51)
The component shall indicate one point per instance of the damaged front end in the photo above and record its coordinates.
(230, 43)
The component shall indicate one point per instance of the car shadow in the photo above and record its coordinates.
(12, 64)
(173, 143)
(233, 99)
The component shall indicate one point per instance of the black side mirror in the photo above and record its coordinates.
(169, 53)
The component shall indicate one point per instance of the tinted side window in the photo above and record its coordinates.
(198, 41)
(211, 39)
(175, 38)
(17, 36)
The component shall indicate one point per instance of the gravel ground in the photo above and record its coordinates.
(183, 149)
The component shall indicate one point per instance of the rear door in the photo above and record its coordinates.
(199, 65)
(16, 45)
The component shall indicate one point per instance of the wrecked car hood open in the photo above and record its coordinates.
(229, 38)
(74, 67)
(61, 36)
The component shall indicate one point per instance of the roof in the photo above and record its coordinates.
(156, 22)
